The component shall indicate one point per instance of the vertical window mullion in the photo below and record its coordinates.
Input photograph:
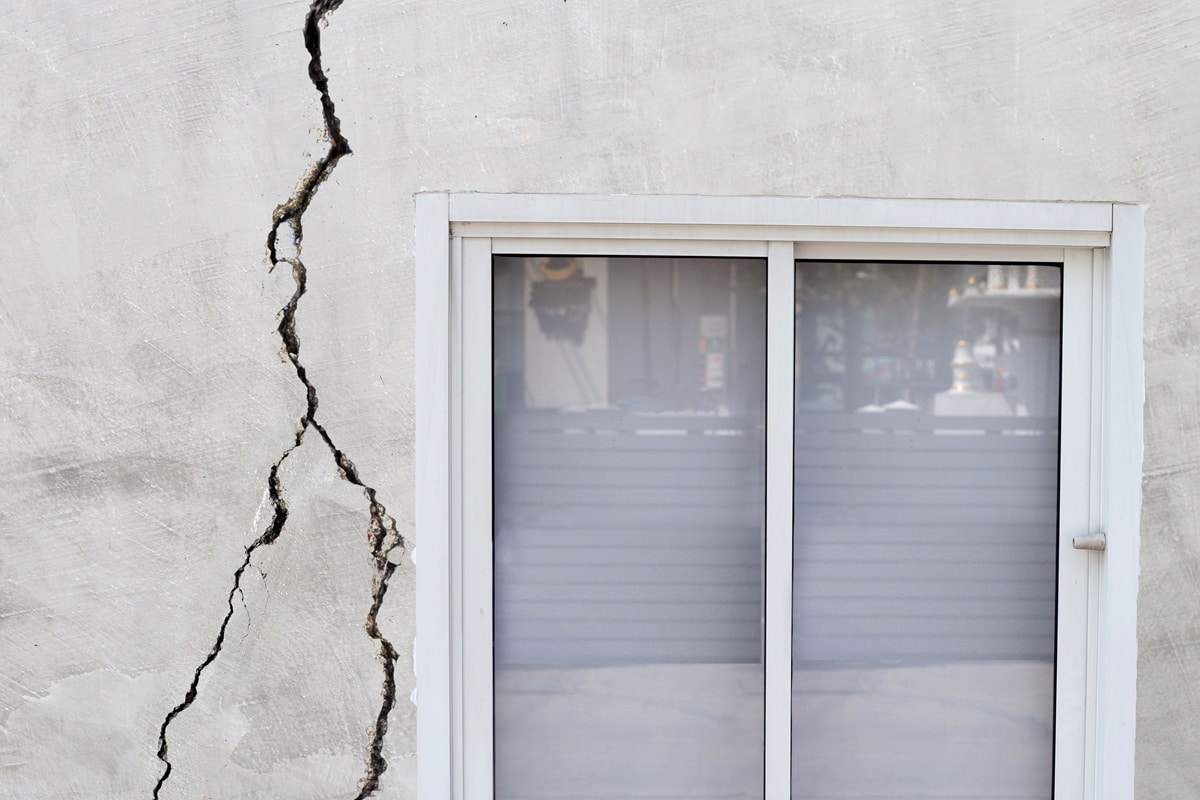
(455, 717)
(476, 586)
(1097, 331)
(1076, 486)
(781, 280)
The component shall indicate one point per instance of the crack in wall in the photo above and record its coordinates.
(274, 529)
(382, 534)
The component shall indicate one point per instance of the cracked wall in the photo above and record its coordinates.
(147, 394)
(384, 542)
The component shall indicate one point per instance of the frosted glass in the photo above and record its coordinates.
(629, 480)
(925, 530)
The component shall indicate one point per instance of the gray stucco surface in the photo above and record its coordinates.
(145, 396)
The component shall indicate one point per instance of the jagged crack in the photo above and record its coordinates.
(382, 534)
(291, 211)
(279, 517)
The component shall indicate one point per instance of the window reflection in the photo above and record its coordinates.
(925, 529)
(945, 339)
(629, 474)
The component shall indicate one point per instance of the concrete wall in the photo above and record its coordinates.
(146, 395)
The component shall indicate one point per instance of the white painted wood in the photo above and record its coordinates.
(781, 342)
(1029, 237)
(784, 211)
(477, 517)
(433, 668)
(1124, 395)
(1074, 519)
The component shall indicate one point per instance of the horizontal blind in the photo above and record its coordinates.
(623, 539)
(927, 538)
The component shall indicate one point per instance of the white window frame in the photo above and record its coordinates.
(1101, 246)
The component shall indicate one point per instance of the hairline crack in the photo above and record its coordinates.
(383, 536)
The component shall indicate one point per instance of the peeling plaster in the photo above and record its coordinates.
(382, 535)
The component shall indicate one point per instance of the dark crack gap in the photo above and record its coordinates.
(382, 534)
(279, 517)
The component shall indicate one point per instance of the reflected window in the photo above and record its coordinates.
(628, 538)
(925, 530)
(628, 567)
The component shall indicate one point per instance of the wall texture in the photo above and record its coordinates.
(147, 397)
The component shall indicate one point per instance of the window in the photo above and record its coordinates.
(750, 497)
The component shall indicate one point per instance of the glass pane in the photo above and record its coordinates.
(629, 504)
(926, 485)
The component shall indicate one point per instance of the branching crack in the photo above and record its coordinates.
(279, 517)
(382, 535)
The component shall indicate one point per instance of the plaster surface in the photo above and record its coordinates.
(145, 395)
